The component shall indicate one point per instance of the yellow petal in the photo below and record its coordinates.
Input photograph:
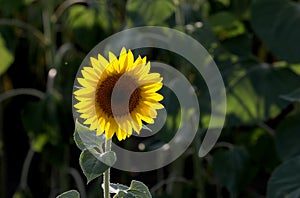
(97, 66)
(135, 127)
(147, 119)
(84, 83)
(103, 62)
(128, 126)
(138, 61)
(112, 130)
(88, 77)
(136, 118)
(154, 105)
(107, 126)
(151, 88)
(112, 57)
(119, 134)
(91, 72)
(130, 59)
(87, 110)
(90, 120)
(152, 113)
(122, 59)
(83, 105)
(142, 69)
(123, 51)
(102, 123)
(134, 123)
(123, 134)
(87, 91)
(99, 131)
(145, 60)
(150, 78)
(153, 96)
(82, 99)
(86, 115)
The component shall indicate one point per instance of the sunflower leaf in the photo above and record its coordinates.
(87, 139)
(116, 188)
(123, 194)
(69, 194)
(137, 189)
(94, 164)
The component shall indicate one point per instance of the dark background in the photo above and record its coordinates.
(255, 44)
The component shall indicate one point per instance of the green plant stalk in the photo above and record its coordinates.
(49, 32)
(26, 165)
(25, 169)
(2, 155)
(198, 176)
(25, 26)
(106, 175)
(177, 169)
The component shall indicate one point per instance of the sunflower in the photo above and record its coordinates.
(117, 95)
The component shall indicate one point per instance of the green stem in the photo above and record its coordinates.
(198, 164)
(49, 32)
(63, 7)
(20, 24)
(106, 176)
(3, 174)
(21, 91)
(25, 169)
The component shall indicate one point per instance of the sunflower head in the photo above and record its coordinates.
(118, 94)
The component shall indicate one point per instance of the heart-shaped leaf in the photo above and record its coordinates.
(137, 189)
(94, 164)
(87, 139)
(69, 194)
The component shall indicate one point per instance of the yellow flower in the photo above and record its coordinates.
(118, 95)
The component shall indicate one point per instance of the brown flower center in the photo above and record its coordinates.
(118, 95)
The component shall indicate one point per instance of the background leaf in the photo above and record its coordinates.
(253, 93)
(288, 136)
(230, 167)
(285, 180)
(88, 21)
(225, 25)
(150, 12)
(273, 21)
(5, 56)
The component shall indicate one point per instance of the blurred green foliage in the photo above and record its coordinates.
(255, 44)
